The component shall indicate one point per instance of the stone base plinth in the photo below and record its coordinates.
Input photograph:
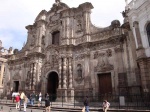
(62, 95)
(70, 94)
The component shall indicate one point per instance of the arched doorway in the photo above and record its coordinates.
(52, 85)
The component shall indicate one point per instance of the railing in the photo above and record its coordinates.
(140, 102)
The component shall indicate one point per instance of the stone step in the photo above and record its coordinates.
(65, 109)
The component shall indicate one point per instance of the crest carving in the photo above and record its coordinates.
(103, 65)
(17, 77)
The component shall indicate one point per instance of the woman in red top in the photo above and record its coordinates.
(17, 98)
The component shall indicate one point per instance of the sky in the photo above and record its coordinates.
(16, 14)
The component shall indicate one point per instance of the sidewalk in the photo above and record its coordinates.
(13, 109)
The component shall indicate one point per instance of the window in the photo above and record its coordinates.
(148, 33)
(55, 38)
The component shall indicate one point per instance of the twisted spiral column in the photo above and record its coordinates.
(64, 72)
(70, 72)
(60, 72)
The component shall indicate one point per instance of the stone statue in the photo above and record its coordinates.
(79, 71)
(124, 14)
(57, 2)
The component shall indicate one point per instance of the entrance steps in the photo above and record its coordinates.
(58, 108)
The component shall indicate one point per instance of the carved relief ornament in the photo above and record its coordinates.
(118, 49)
(103, 65)
(17, 77)
(82, 56)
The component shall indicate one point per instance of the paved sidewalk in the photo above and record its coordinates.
(13, 109)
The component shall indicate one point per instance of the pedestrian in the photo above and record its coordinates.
(47, 103)
(40, 99)
(32, 98)
(25, 103)
(105, 105)
(17, 98)
(86, 104)
(21, 98)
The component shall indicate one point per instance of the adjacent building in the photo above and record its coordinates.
(4, 55)
(138, 12)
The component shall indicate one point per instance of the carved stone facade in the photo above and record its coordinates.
(66, 50)
(4, 74)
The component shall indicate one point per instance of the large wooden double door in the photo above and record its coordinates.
(105, 83)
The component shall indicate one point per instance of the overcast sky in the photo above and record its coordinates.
(16, 14)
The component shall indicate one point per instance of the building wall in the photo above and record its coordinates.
(138, 15)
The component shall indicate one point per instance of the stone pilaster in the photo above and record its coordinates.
(137, 33)
(140, 50)
(145, 78)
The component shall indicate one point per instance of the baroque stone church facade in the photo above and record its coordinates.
(65, 54)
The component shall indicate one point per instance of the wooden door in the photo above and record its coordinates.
(105, 84)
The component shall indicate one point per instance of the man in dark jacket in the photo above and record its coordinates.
(86, 104)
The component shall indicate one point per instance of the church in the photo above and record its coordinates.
(65, 54)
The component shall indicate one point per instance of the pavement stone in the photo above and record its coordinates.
(13, 109)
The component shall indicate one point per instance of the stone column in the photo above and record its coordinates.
(70, 72)
(70, 90)
(1, 74)
(34, 76)
(1, 78)
(60, 72)
(30, 82)
(64, 72)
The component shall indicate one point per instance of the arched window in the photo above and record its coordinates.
(55, 37)
(148, 33)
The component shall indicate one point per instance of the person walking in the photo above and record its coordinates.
(17, 98)
(105, 105)
(21, 98)
(47, 103)
(86, 104)
(40, 99)
(25, 103)
(32, 98)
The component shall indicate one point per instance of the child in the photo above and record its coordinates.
(17, 98)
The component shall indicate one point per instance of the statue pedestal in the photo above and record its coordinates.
(70, 94)
(62, 95)
(65, 95)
